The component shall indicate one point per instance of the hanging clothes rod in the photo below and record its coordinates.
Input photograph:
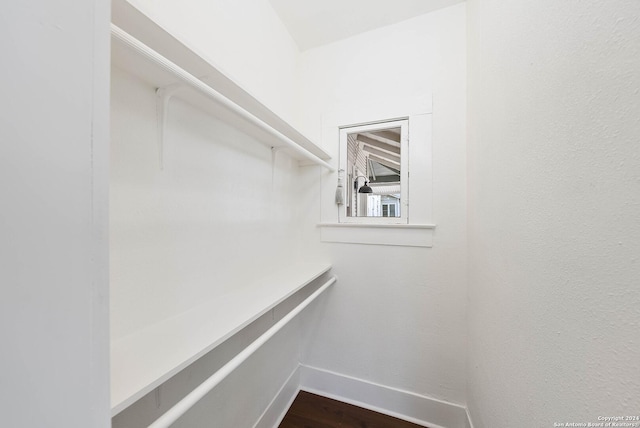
(205, 387)
(207, 90)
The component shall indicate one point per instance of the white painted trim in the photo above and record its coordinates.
(403, 235)
(380, 226)
(420, 168)
(279, 406)
(403, 124)
(409, 406)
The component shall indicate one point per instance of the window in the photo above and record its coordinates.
(397, 216)
(374, 158)
(390, 206)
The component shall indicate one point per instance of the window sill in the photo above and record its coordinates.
(404, 235)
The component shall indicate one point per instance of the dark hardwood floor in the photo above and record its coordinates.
(313, 411)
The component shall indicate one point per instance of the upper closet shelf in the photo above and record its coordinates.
(142, 47)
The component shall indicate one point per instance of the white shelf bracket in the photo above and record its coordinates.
(274, 152)
(163, 95)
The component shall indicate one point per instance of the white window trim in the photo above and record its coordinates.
(400, 235)
(403, 124)
(420, 230)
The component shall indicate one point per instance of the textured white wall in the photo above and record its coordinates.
(243, 38)
(53, 221)
(397, 316)
(554, 192)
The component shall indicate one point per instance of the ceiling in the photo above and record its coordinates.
(313, 23)
(382, 148)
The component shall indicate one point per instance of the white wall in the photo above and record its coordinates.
(53, 222)
(243, 38)
(216, 216)
(400, 323)
(397, 315)
(554, 194)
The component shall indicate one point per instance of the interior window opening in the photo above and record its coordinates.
(376, 169)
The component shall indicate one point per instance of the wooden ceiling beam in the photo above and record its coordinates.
(378, 144)
(385, 155)
(389, 135)
(385, 162)
(381, 136)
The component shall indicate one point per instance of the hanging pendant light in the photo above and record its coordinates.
(365, 188)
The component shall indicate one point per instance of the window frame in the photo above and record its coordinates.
(344, 131)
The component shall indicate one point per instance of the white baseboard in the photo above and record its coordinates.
(401, 404)
(277, 409)
(419, 409)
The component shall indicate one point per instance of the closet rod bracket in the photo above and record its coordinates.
(163, 95)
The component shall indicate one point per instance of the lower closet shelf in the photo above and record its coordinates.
(145, 359)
